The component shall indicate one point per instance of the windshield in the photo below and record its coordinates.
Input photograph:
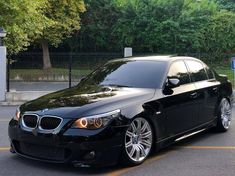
(139, 74)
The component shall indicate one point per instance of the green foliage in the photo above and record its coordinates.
(194, 16)
(97, 25)
(65, 18)
(26, 21)
(159, 26)
(227, 5)
(218, 36)
(164, 26)
(22, 19)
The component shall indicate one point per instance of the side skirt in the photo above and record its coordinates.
(180, 136)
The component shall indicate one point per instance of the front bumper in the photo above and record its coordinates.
(77, 146)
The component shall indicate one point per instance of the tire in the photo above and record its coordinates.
(138, 142)
(224, 115)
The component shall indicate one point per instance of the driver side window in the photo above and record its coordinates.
(178, 69)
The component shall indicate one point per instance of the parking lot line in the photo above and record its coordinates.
(150, 160)
(125, 170)
(4, 149)
(210, 147)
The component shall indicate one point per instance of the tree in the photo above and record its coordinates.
(65, 17)
(173, 26)
(23, 20)
(195, 15)
(201, 27)
(227, 5)
(218, 36)
(97, 25)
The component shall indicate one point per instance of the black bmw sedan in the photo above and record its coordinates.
(122, 111)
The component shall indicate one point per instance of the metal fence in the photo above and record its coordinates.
(27, 66)
(33, 60)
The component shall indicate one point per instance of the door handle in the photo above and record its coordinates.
(193, 95)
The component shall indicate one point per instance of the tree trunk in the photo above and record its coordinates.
(46, 55)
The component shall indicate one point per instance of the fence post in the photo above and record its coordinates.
(8, 75)
(127, 52)
(70, 69)
(3, 60)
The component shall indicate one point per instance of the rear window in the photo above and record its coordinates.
(210, 73)
(197, 70)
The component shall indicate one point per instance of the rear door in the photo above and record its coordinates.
(206, 88)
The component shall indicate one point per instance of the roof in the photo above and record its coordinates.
(167, 58)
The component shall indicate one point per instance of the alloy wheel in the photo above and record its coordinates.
(138, 139)
(225, 113)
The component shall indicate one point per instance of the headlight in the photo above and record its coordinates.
(96, 121)
(17, 114)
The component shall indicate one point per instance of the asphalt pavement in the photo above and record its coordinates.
(205, 154)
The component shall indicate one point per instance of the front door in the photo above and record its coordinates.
(180, 107)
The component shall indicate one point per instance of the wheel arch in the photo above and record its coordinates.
(147, 111)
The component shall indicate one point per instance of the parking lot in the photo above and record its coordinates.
(205, 154)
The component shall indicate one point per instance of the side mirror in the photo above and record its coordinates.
(172, 82)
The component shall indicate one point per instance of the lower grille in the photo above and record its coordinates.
(42, 152)
(50, 123)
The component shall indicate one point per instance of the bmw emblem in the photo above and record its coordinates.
(44, 110)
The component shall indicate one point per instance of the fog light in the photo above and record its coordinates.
(90, 155)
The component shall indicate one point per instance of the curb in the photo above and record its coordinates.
(7, 103)
(15, 98)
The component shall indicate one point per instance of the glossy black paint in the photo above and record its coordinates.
(172, 112)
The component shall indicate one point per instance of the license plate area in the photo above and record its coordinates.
(42, 152)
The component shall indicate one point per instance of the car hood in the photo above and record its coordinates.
(86, 100)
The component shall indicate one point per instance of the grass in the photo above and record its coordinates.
(225, 70)
(37, 74)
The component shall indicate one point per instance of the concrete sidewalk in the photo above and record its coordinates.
(21, 92)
